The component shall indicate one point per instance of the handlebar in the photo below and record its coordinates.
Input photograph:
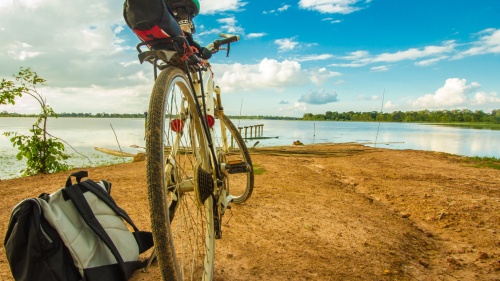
(229, 38)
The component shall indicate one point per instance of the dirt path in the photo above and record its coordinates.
(386, 215)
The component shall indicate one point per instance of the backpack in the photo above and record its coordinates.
(75, 234)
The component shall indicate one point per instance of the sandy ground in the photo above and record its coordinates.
(378, 215)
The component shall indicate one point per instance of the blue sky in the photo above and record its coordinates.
(294, 57)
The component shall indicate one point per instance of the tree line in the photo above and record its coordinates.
(82, 115)
(435, 116)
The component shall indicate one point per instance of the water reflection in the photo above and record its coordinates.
(85, 133)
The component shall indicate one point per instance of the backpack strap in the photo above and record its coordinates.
(78, 175)
(82, 206)
(144, 239)
(98, 191)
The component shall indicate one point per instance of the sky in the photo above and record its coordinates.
(294, 57)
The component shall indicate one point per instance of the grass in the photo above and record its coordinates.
(483, 126)
(475, 161)
(257, 170)
(483, 162)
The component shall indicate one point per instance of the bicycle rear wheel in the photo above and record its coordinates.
(240, 186)
(183, 228)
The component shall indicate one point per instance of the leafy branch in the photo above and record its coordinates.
(44, 153)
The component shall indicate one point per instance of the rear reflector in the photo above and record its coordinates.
(176, 125)
(211, 121)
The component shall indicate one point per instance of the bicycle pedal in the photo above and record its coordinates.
(236, 167)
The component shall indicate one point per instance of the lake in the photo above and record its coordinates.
(85, 133)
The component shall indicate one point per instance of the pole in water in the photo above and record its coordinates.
(314, 134)
(246, 127)
(251, 129)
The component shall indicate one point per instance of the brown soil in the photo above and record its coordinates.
(385, 215)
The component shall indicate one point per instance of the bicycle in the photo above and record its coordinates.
(193, 174)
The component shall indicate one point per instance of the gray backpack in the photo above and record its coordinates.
(82, 221)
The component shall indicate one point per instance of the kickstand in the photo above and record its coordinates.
(151, 258)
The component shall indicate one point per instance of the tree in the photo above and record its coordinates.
(44, 153)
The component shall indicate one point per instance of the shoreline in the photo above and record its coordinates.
(393, 214)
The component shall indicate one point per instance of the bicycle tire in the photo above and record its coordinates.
(167, 215)
(240, 194)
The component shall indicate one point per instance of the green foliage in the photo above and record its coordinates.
(483, 162)
(437, 116)
(44, 153)
(79, 115)
(267, 117)
(257, 170)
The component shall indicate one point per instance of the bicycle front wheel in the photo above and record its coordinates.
(182, 226)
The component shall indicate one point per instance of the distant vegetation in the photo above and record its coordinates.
(266, 117)
(88, 115)
(435, 116)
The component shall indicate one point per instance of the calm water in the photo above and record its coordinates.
(85, 133)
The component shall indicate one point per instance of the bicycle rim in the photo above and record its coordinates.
(240, 186)
(183, 231)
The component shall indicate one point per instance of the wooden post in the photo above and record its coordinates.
(231, 140)
(258, 132)
(262, 132)
(239, 129)
(314, 134)
(251, 130)
(246, 127)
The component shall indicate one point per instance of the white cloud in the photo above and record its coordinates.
(430, 61)
(356, 55)
(267, 74)
(319, 75)
(339, 82)
(327, 19)
(86, 54)
(379, 68)
(362, 97)
(362, 58)
(482, 98)
(336, 21)
(348, 64)
(315, 57)
(286, 44)
(93, 99)
(390, 105)
(330, 6)
(230, 25)
(297, 107)
(208, 32)
(218, 6)
(411, 54)
(284, 8)
(453, 93)
(489, 43)
(255, 35)
(319, 97)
